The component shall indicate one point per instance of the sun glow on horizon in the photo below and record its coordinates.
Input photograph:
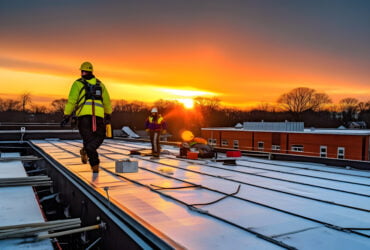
(187, 102)
(187, 93)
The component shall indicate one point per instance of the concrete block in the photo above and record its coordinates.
(126, 166)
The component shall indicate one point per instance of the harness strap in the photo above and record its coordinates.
(93, 117)
(94, 103)
(79, 103)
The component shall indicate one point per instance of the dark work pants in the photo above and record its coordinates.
(91, 140)
(154, 139)
(184, 151)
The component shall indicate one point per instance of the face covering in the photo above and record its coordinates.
(88, 76)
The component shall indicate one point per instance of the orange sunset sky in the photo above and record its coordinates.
(243, 52)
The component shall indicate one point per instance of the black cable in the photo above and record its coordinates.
(212, 202)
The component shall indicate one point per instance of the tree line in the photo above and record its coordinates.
(300, 104)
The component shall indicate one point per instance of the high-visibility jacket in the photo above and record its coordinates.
(155, 124)
(84, 107)
(199, 140)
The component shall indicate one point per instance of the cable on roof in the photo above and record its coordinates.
(212, 202)
(159, 187)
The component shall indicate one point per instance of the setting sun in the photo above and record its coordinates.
(187, 102)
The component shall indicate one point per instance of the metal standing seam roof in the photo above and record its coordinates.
(18, 205)
(257, 204)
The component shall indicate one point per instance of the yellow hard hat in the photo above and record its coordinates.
(187, 135)
(86, 66)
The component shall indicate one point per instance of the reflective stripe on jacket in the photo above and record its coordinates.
(77, 93)
(155, 125)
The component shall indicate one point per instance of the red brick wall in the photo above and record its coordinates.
(244, 138)
(215, 134)
(312, 143)
(353, 144)
(266, 138)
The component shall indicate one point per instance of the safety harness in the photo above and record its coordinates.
(93, 92)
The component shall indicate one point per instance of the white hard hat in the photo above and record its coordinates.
(154, 110)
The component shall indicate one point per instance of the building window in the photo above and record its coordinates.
(341, 152)
(275, 147)
(323, 151)
(236, 143)
(260, 145)
(224, 143)
(212, 142)
(297, 148)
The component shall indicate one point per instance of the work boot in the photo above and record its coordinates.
(84, 157)
(95, 168)
(155, 156)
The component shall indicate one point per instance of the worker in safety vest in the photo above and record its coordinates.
(89, 101)
(155, 125)
(200, 145)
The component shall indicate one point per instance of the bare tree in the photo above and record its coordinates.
(267, 107)
(2, 105)
(166, 105)
(364, 106)
(119, 105)
(25, 100)
(125, 106)
(319, 101)
(35, 108)
(212, 103)
(349, 108)
(135, 106)
(59, 105)
(303, 99)
(348, 104)
(9, 105)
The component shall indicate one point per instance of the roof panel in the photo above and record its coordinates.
(274, 203)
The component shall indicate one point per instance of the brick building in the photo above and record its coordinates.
(292, 138)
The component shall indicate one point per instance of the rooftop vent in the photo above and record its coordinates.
(239, 125)
(274, 126)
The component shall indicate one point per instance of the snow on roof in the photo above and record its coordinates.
(257, 204)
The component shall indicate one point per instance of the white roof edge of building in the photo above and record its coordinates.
(306, 131)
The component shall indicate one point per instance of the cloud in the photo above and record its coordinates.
(33, 66)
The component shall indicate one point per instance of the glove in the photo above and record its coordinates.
(107, 118)
(164, 131)
(74, 121)
(147, 130)
(65, 120)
